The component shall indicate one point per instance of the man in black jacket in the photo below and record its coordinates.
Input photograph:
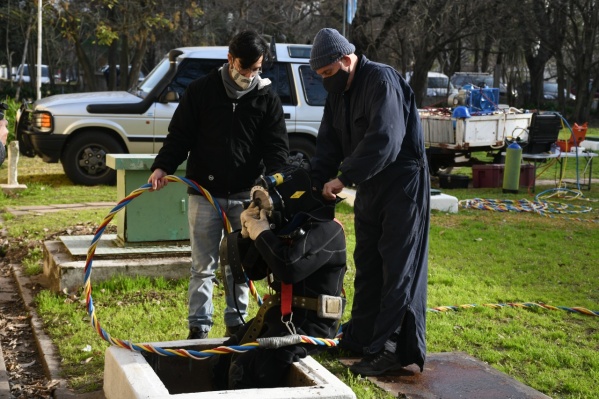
(230, 127)
(370, 136)
(290, 234)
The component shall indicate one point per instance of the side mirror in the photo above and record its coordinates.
(170, 96)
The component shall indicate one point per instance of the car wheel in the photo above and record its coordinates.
(301, 149)
(84, 159)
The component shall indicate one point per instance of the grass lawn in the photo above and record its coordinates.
(477, 257)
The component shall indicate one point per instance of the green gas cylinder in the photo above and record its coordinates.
(511, 172)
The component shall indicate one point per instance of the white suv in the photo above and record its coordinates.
(80, 129)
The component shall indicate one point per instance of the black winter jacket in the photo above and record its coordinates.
(228, 143)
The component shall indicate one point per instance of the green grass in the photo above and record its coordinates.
(476, 257)
(47, 183)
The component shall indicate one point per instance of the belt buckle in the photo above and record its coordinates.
(329, 307)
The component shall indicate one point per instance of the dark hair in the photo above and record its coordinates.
(248, 46)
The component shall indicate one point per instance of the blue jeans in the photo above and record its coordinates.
(206, 231)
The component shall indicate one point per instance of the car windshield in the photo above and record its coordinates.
(153, 78)
(437, 82)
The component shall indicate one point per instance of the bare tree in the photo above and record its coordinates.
(580, 54)
(514, 39)
(539, 24)
(76, 24)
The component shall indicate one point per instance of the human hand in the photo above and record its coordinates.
(157, 179)
(256, 226)
(252, 212)
(332, 188)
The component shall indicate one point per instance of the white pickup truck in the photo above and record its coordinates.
(481, 126)
(80, 129)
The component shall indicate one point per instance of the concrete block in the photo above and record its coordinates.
(133, 375)
(65, 271)
(444, 203)
(9, 189)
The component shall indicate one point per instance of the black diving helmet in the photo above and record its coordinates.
(289, 193)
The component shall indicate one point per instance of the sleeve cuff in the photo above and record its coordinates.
(343, 179)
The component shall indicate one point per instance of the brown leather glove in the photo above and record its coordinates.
(257, 226)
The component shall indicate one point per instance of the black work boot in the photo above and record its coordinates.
(341, 351)
(196, 333)
(377, 364)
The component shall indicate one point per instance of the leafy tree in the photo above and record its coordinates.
(121, 29)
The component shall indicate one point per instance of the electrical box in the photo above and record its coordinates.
(153, 216)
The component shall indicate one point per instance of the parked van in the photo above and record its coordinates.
(438, 89)
(437, 92)
(23, 71)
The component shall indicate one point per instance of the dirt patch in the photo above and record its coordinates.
(27, 377)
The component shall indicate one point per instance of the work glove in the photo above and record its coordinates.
(253, 212)
(257, 226)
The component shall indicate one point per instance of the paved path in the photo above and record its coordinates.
(41, 209)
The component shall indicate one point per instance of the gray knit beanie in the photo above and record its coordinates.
(329, 46)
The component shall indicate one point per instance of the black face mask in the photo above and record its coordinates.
(336, 84)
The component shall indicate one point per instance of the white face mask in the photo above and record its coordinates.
(241, 80)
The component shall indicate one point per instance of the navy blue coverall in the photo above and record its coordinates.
(371, 136)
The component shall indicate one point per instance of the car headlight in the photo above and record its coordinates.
(43, 122)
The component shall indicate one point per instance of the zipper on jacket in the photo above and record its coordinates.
(234, 106)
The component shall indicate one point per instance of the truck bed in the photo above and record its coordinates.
(478, 132)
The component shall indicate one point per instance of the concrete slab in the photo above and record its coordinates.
(132, 375)
(16, 212)
(9, 189)
(453, 375)
(111, 245)
(65, 269)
